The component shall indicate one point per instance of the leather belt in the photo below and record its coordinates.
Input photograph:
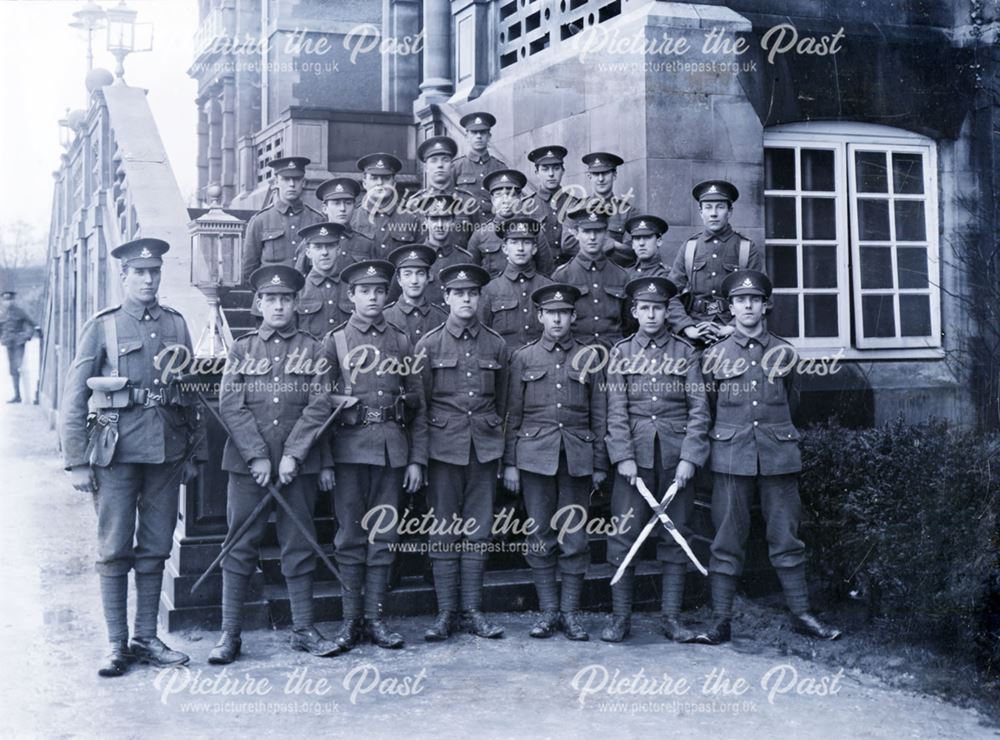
(377, 414)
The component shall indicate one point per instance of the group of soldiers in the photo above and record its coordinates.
(469, 336)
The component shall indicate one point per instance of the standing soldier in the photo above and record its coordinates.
(381, 216)
(16, 330)
(550, 203)
(412, 312)
(369, 359)
(439, 233)
(438, 157)
(506, 304)
(471, 170)
(646, 232)
(602, 171)
(264, 390)
(140, 442)
(272, 235)
(600, 309)
(323, 302)
(755, 447)
(657, 431)
(339, 196)
(464, 370)
(704, 261)
(505, 188)
(554, 453)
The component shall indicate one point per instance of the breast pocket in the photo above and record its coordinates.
(257, 391)
(503, 315)
(445, 374)
(275, 247)
(535, 389)
(467, 181)
(488, 370)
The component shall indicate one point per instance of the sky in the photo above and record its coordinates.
(43, 63)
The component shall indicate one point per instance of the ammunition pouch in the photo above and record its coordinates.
(109, 393)
(102, 437)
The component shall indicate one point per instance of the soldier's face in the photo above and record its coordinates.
(322, 256)
(438, 227)
(339, 210)
(438, 168)
(368, 300)
(603, 183)
(479, 140)
(646, 247)
(651, 316)
(591, 240)
(519, 251)
(556, 322)
(463, 302)
(748, 310)
(413, 281)
(715, 214)
(290, 188)
(503, 200)
(140, 284)
(378, 186)
(276, 309)
(550, 175)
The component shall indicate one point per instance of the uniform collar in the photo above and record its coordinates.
(445, 249)
(266, 332)
(742, 339)
(456, 329)
(137, 310)
(660, 338)
(284, 207)
(363, 325)
(479, 159)
(318, 278)
(406, 307)
(565, 344)
(723, 235)
(587, 262)
(650, 264)
(513, 273)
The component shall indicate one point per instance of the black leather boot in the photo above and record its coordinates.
(442, 627)
(350, 634)
(718, 632)
(227, 649)
(153, 651)
(573, 628)
(546, 626)
(117, 661)
(619, 627)
(379, 633)
(476, 623)
(310, 640)
(674, 629)
(808, 624)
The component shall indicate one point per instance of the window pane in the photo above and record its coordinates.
(783, 319)
(879, 319)
(873, 220)
(907, 173)
(910, 225)
(820, 315)
(781, 265)
(911, 262)
(876, 267)
(871, 175)
(819, 220)
(779, 217)
(819, 266)
(817, 169)
(915, 315)
(779, 169)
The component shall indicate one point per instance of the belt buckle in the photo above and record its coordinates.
(152, 399)
(373, 415)
(713, 307)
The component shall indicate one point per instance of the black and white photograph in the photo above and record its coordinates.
(500, 368)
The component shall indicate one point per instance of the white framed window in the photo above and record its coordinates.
(851, 236)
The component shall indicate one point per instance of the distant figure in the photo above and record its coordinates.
(16, 330)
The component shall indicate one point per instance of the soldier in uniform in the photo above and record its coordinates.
(16, 330)
(142, 438)
(506, 304)
(339, 196)
(412, 312)
(550, 203)
(600, 309)
(704, 261)
(464, 372)
(471, 169)
(439, 234)
(437, 154)
(374, 461)
(554, 453)
(657, 431)
(755, 447)
(505, 188)
(382, 216)
(602, 171)
(272, 235)
(323, 302)
(266, 386)
(646, 232)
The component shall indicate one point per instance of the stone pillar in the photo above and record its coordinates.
(214, 139)
(228, 180)
(474, 48)
(202, 148)
(437, 84)
(400, 69)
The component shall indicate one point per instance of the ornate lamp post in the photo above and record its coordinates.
(89, 18)
(121, 36)
(216, 264)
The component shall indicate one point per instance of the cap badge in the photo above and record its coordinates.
(339, 188)
(642, 225)
(276, 280)
(478, 120)
(380, 163)
(592, 217)
(597, 160)
(145, 253)
(371, 270)
(462, 275)
(747, 283)
(651, 288)
(549, 153)
(411, 256)
(323, 231)
(713, 189)
(558, 296)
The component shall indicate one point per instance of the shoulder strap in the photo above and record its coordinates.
(111, 342)
(340, 343)
(744, 253)
(689, 248)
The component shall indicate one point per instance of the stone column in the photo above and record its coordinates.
(437, 84)
(214, 139)
(202, 148)
(228, 181)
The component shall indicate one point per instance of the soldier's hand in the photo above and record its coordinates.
(692, 332)
(287, 467)
(82, 478)
(684, 473)
(628, 470)
(721, 332)
(327, 480)
(413, 478)
(190, 471)
(599, 477)
(512, 479)
(260, 469)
